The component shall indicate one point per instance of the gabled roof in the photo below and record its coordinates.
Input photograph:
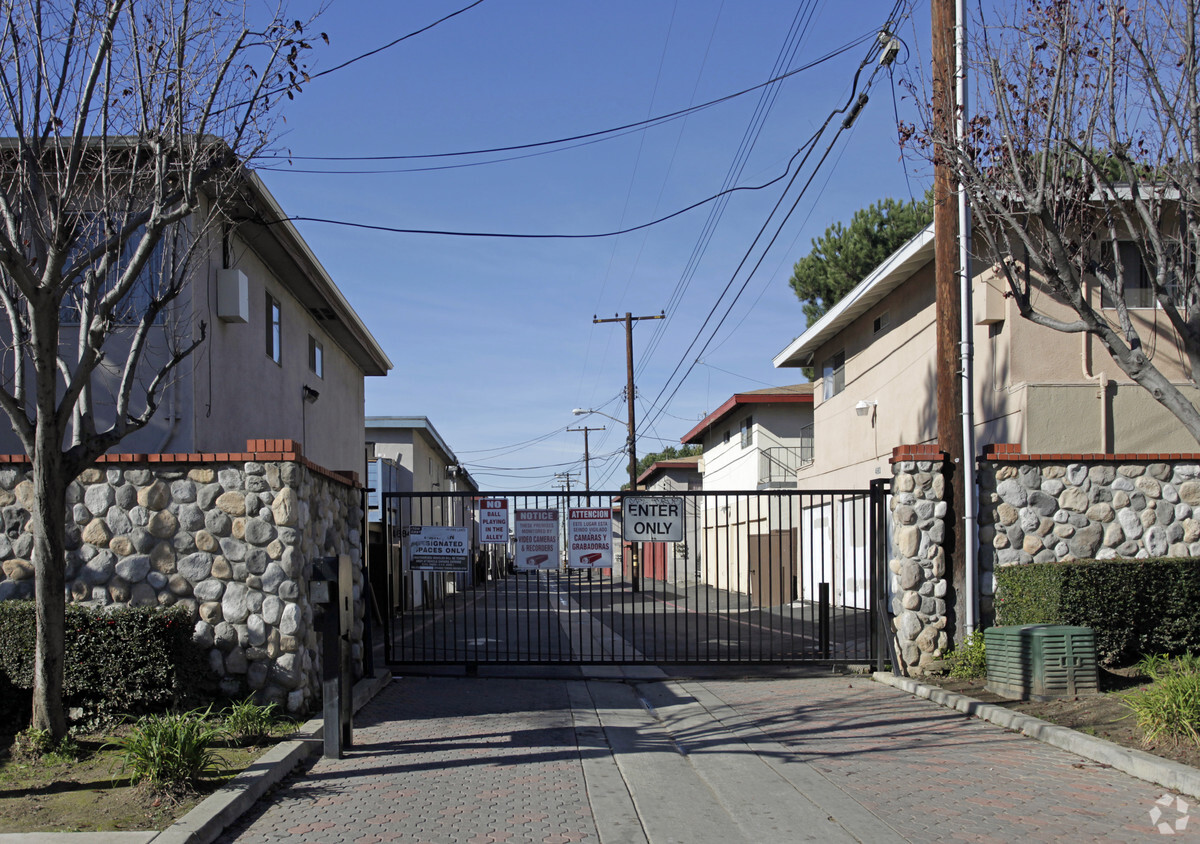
(898, 268)
(687, 463)
(795, 394)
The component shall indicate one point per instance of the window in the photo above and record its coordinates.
(747, 432)
(833, 375)
(316, 356)
(160, 277)
(1139, 292)
(881, 323)
(274, 329)
(725, 439)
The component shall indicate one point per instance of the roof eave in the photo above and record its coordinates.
(896, 268)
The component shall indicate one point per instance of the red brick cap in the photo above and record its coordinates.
(259, 451)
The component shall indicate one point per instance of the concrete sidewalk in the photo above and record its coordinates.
(827, 758)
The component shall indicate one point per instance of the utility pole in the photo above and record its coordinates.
(566, 478)
(587, 467)
(629, 320)
(949, 308)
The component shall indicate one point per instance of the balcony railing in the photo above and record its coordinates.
(777, 466)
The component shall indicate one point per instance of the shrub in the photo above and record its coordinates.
(125, 661)
(39, 746)
(32, 743)
(969, 660)
(248, 723)
(170, 752)
(1169, 708)
(1135, 607)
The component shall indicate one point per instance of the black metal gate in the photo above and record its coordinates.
(688, 577)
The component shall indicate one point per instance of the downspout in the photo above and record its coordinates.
(1085, 360)
(969, 505)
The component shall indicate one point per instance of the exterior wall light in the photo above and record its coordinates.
(864, 406)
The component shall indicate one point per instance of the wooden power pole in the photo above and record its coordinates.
(587, 463)
(629, 320)
(949, 313)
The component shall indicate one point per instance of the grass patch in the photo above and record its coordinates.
(78, 792)
(1168, 709)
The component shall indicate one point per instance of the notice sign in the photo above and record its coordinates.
(652, 519)
(435, 548)
(493, 521)
(537, 540)
(589, 537)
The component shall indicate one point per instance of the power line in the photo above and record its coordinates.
(528, 236)
(853, 106)
(391, 44)
(647, 123)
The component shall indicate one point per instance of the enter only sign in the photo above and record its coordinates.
(653, 519)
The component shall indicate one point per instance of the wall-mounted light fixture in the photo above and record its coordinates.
(310, 395)
(864, 407)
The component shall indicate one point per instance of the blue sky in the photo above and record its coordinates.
(492, 338)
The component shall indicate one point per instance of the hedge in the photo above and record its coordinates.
(1135, 607)
(124, 661)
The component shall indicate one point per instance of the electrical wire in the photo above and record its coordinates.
(624, 128)
(850, 103)
(796, 34)
(529, 236)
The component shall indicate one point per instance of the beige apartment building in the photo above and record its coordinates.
(1048, 392)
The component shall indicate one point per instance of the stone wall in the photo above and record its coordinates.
(1032, 508)
(1039, 508)
(232, 537)
(918, 563)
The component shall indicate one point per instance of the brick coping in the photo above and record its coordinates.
(1011, 453)
(258, 451)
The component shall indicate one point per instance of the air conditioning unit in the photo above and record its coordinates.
(1041, 661)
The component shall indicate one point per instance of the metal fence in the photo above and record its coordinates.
(665, 577)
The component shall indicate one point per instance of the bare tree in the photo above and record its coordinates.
(128, 124)
(1080, 163)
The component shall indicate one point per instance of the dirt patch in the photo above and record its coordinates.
(1103, 715)
(88, 795)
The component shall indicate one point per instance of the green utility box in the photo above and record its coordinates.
(1041, 661)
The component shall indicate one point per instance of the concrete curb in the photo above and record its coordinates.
(1174, 776)
(209, 819)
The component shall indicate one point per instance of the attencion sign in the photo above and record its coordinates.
(437, 548)
(537, 540)
(589, 537)
(652, 519)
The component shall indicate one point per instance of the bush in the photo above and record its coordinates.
(969, 660)
(248, 723)
(170, 752)
(38, 745)
(125, 661)
(1169, 708)
(1135, 607)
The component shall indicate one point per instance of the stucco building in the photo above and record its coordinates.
(1046, 391)
(285, 355)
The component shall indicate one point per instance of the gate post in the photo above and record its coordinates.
(881, 639)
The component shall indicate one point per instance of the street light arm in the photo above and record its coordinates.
(579, 411)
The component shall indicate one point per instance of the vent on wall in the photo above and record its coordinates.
(1041, 661)
(322, 313)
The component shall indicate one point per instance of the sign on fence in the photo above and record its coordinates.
(589, 537)
(437, 548)
(652, 519)
(537, 540)
(493, 521)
